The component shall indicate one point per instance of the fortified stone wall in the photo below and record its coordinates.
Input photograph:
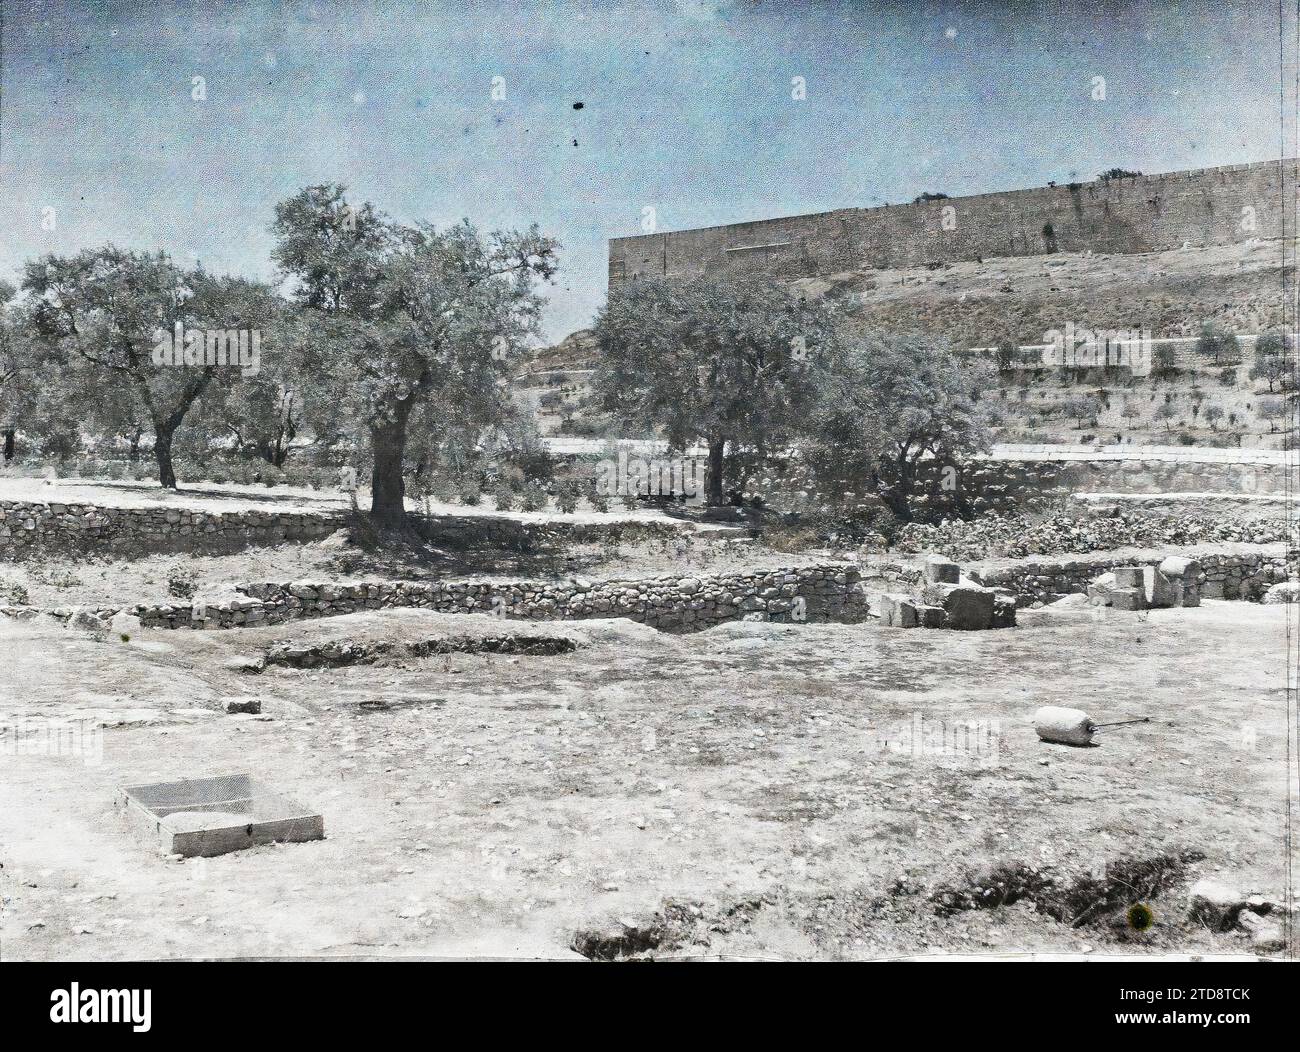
(1205, 206)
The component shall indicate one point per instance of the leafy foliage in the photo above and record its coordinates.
(887, 403)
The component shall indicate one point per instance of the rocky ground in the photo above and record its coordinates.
(750, 791)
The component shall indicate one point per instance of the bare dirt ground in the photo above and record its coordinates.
(724, 793)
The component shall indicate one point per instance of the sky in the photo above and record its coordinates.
(609, 108)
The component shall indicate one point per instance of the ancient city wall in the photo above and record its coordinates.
(1205, 206)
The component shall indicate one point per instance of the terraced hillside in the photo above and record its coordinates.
(981, 304)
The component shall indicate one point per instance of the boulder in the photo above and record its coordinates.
(1100, 589)
(1283, 592)
(251, 705)
(1266, 934)
(125, 625)
(87, 622)
(967, 607)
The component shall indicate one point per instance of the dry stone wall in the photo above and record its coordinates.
(27, 528)
(1226, 575)
(827, 592)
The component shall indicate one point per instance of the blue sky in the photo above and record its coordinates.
(686, 108)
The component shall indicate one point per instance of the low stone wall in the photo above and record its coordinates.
(828, 592)
(1002, 484)
(459, 532)
(28, 527)
(1227, 575)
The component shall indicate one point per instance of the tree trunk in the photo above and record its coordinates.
(387, 488)
(713, 480)
(162, 451)
(9, 444)
(135, 444)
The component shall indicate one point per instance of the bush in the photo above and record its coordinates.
(504, 497)
(182, 581)
(12, 593)
(599, 501)
(471, 492)
(535, 497)
(566, 496)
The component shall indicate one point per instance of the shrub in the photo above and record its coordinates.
(182, 581)
(535, 497)
(566, 496)
(504, 497)
(12, 593)
(471, 492)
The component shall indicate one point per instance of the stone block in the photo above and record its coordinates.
(939, 570)
(1101, 588)
(898, 610)
(1187, 575)
(1128, 576)
(1128, 599)
(968, 607)
(1158, 591)
(930, 616)
(1004, 612)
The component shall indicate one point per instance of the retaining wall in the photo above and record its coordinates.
(827, 592)
(1226, 575)
(29, 527)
